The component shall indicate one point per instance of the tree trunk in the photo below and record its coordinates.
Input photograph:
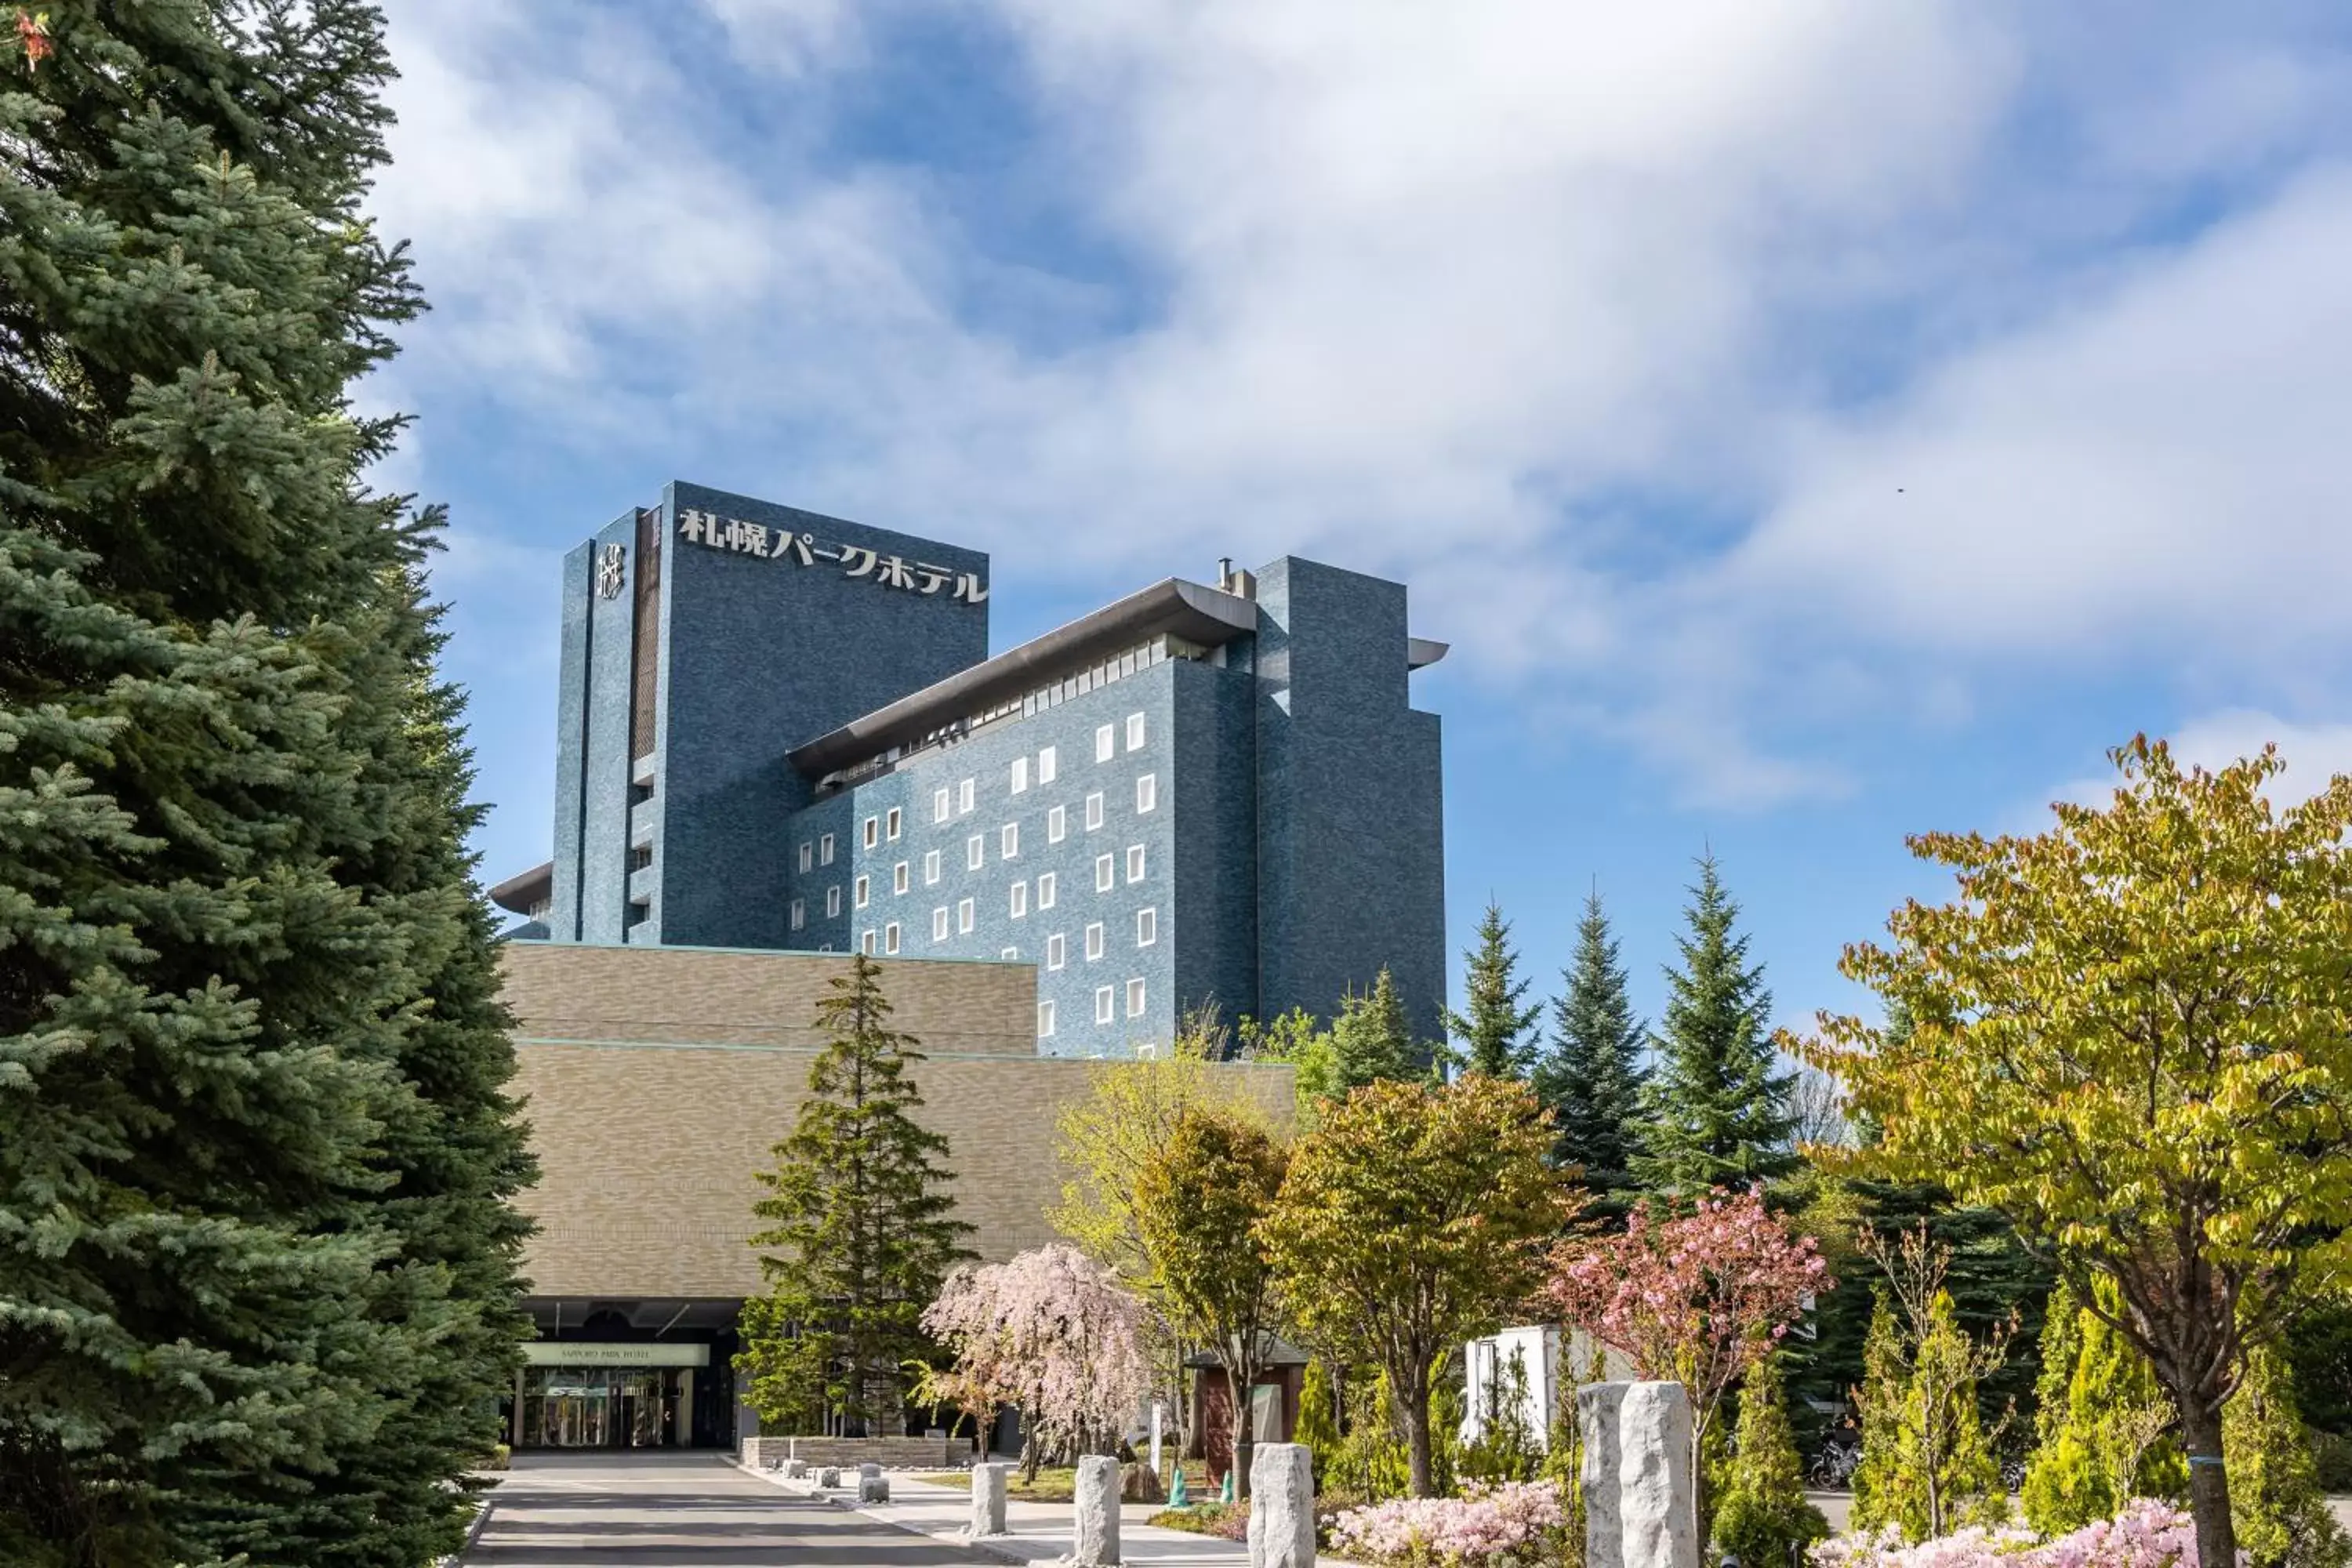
(1245, 1438)
(1412, 1398)
(2209, 1483)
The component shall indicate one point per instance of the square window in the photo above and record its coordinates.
(866, 943)
(1103, 737)
(824, 850)
(940, 808)
(1134, 731)
(832, 902)
(1020, 900)
(890, 821)
(975, 852)
(873, 831)
(1146, 793)
(963, 796)
(1044, 1020)
(931, 868)
(963, 917)
(940, 924)
(1147, 927)
(1054, 951)
(890, 937)
(898, 878)
(1103, 1013)
(1094, 940)
(1094, 811)
(1010, 955)
(1057, 824)
(862, 892)
(1009, 840)
(808, 855)
(1047, 885)
(1135, 998)
(1104, 874)
(1048, 764)
(800, 913)
(1135, 862)
(1020, 775)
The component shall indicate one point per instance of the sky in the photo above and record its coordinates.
(1811, 422)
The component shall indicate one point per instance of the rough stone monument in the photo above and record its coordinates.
(1282, 1505)
(874, 1488)
(795, 1469)
(827, 1478)
(1638, 1497)
(988, 1499)
(1094, 1540)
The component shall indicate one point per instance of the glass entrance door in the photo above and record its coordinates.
(598, 1407)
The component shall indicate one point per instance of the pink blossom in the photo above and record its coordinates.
(2146, 1535)
(1512, 1523)
(1051, 1332)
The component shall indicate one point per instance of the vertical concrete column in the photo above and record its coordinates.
(685, 1407)
(1095, 1542)
(988, 1499)
(1639, 1500)
(1282, 1505)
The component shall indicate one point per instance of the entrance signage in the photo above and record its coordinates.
(589, 1352)
(736, 536)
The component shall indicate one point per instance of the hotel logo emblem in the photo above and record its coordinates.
(609, 572)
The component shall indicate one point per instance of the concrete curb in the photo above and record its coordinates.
(473, 1532)
(984, 1550)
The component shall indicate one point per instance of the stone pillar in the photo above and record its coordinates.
(827, 1478)
(795, 1469)
(1638, 1497)
(1282, 1505)
(875, 1488)
(1095, 1543)
(988, 1499)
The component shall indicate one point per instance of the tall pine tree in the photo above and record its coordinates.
(1494, 1026)
(1592, 1079)
(861, 1231)
(257, 1271)
(1718, 1110)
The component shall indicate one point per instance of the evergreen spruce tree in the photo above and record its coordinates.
(1592, 1079)
(1370, 1039)
(1761, 1517)
(257, 1271)
(2281, 1517)
(1719, 1111)
(1494, 1029)
(861, 1231)
(1883, 1486)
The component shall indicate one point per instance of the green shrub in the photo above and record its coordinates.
(2281, 1517)
(1762, 1516)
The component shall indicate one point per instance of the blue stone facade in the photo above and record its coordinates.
(1193, 795)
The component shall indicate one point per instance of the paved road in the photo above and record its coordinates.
(677, 1511)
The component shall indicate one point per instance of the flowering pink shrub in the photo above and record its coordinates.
(2146, 1535)
(1516, 1522)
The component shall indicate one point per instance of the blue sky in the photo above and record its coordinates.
(1811, 421)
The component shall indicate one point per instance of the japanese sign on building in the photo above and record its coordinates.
(734, 535)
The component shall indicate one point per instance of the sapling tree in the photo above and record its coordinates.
(1696, 1298)
(1949, 1475)
(2132, 1035)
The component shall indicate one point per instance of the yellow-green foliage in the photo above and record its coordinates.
(2101, 1433)
(1319, 1416)
(1925, 1466)
(1762, 1516)
(2282, 1519)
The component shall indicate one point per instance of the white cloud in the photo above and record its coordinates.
(2314, 755)
(1548, 311)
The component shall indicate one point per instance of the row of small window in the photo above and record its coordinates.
(819, 852)
(1049, 767)
(1048, 887)
(1105, 1003)
(885, 941)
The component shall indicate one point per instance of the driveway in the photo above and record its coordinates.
(677, 1511)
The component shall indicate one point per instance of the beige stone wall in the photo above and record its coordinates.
(656, 1082)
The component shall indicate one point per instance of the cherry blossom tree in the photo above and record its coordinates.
(1051, 1332)
(1695, 1298)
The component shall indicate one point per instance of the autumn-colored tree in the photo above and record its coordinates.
(1198, 1201)
(1697, 1298)
(1412, 1219)
(1052, 1331)
(2133, 1035)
